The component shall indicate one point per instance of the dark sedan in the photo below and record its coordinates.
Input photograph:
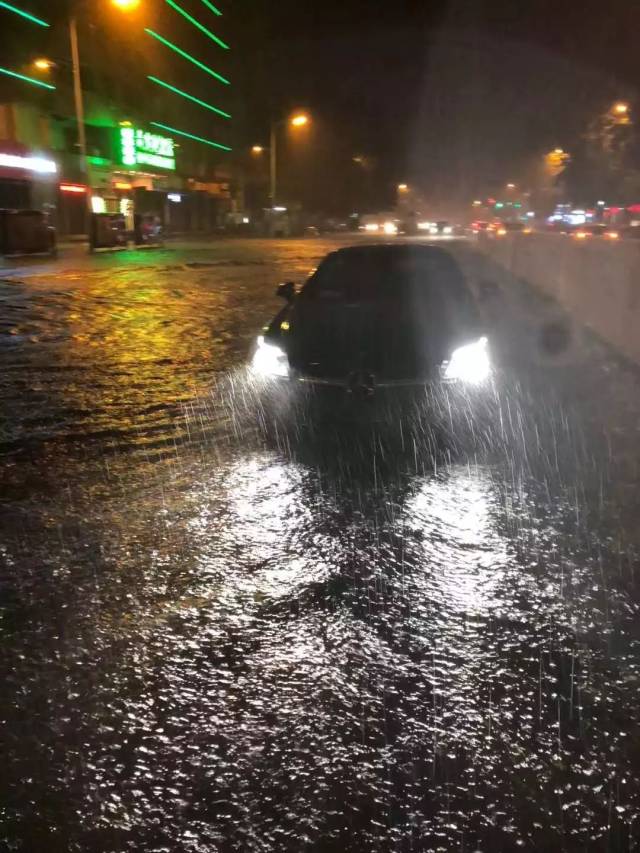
(377, 316)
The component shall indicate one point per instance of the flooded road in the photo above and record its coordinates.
(217, 637)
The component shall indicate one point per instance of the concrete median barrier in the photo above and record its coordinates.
(597, 281)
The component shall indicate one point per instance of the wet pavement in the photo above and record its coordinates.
(224, 629)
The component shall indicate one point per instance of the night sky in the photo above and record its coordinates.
(456, 96)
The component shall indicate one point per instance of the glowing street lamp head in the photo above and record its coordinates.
(257, 149)
(511, 186)
(558, 150)
(126, 5)
(620, 108)
(299, 120)
(403, 188)
(43, 64)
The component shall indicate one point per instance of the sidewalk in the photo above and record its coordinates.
(75, 255)
(211, 249)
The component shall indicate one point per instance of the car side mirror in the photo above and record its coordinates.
(286, 291)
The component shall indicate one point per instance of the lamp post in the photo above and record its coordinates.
(43, 64)
(296, 120)
(404, 196)
(77, 94)
(272, 164)
(123, 6)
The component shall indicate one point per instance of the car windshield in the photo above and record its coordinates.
(427, 287)
(381, 276)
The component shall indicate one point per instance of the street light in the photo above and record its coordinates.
(257, 149)
(123, 6)
(511, 186)
(403, 188)
(620, 108)
(296, 120)
(43, 64)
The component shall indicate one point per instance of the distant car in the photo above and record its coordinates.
(512, 227)
(441, 227)
(598, 229)
(377, 316)
(480, 227)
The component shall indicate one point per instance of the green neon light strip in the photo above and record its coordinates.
(190, 135)
(197, 24)
(213, 8)
(26, 79)
(188, 96)
(186, 56)
(26, 15)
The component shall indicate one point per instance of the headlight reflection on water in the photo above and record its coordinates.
(343, 639)
(464, 555)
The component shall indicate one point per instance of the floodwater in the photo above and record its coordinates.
(316, 636)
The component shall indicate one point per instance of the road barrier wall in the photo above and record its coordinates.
(597, 281)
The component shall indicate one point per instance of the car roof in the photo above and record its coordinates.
(394, 250)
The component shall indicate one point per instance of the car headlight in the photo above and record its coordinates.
(390, 228)
(269, 359)
(470, 363)
(447, 229)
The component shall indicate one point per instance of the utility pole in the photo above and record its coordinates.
(272, 164)
(77, 93)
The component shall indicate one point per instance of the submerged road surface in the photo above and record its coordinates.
(217, 636)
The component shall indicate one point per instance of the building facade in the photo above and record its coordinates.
(151, 145)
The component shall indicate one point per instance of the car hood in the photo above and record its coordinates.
(390, 342)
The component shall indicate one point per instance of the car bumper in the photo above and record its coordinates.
(366, 385)
(348, 384)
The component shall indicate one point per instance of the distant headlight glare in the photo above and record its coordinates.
(269, 360)
(470, 363)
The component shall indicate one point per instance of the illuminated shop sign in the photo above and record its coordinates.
(141, 148)
(30, 164)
